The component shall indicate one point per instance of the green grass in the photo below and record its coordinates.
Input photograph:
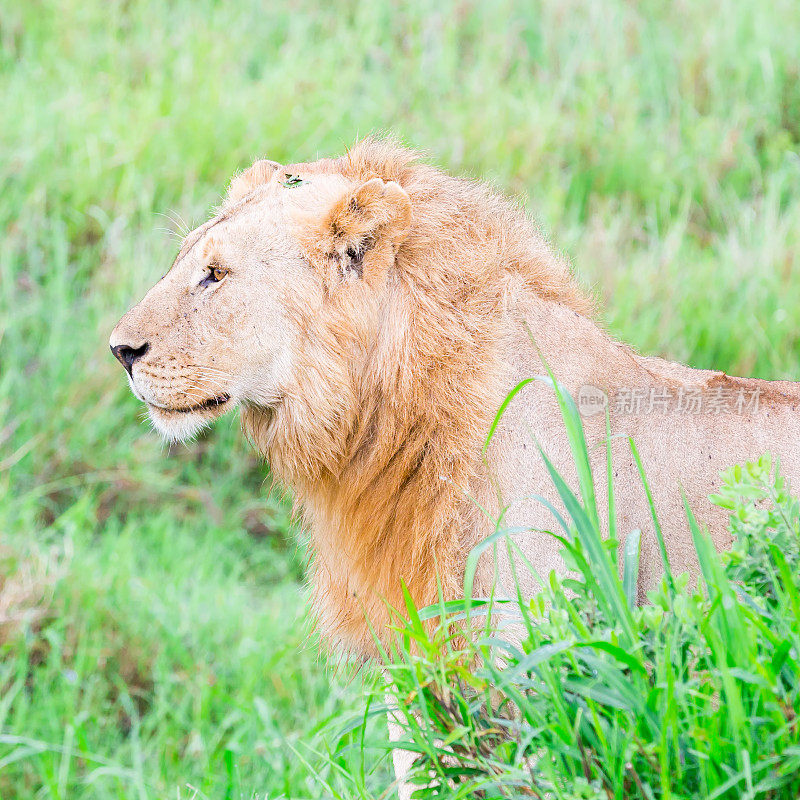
(588, 696)
(657, 144)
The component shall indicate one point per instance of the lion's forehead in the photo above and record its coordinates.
(270, 213)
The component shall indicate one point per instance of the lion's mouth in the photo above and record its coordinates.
(206, 405)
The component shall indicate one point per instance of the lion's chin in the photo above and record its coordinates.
(181, 424)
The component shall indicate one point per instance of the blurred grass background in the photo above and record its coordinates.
(153, 634)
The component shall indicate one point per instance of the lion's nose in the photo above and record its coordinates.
(127, 355)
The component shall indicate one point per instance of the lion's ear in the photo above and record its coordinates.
(376, 215)
(244, 183)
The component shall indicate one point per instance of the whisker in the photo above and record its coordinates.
(180, 225)
(170, 232)
(212, 385)
(212, 380)
(212, 370)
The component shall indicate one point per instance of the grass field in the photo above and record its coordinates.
(153, 633)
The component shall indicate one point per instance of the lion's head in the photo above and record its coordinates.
(222, 327)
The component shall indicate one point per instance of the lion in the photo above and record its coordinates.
(369, 314)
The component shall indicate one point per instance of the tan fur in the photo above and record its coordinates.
(373, 320)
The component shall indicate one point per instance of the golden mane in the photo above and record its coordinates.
(381, 434)
(456, 221)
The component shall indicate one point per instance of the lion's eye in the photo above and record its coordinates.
(215, 274)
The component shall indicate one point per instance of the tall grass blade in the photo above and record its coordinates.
(630, 569)
(654, 516)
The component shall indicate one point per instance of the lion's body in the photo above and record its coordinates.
(680, 449)
(385, 312)
(370, 314)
